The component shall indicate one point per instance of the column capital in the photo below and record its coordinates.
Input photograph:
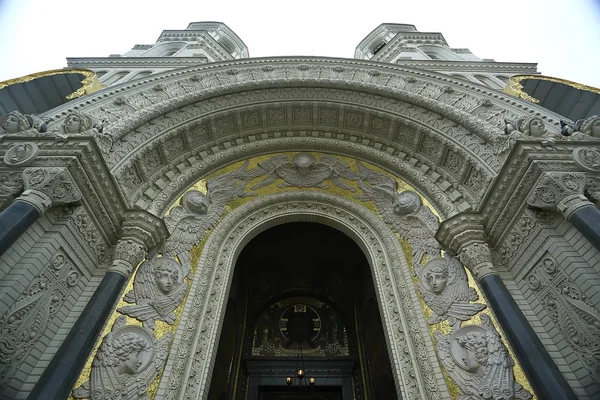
(464, 235)
(48, 186)
(559, 191)
(142, 232)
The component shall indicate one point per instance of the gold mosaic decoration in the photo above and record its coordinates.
(162, 327)
(89, 84)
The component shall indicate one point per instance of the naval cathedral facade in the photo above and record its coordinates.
(212, 226)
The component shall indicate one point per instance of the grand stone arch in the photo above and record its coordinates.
(416, 371)
(144, 143)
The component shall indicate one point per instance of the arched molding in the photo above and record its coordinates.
(190, 85)
(416, 370)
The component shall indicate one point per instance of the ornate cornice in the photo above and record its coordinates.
(471, 66)
(134, 62)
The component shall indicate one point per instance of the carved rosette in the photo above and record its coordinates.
(21, 154)
(560, 191)
(587, 159)
(48, 186)
(477, 258)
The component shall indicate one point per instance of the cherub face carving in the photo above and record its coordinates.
(406, 202)
(475, 353)
(73, 124)
(166, 275)
(129, 349)
(196, 202)
(15, 122)
(436, 276)
(536, 127)
(304, 162)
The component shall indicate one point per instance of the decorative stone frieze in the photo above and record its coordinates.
(48, 186)
(141, 233)
(560, 191)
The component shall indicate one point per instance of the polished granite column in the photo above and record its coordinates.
(44, 187)
(141, 232)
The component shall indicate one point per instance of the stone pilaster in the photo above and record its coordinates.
(141, 232)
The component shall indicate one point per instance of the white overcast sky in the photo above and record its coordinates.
(562, 36)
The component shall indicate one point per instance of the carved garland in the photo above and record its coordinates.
(193, 351)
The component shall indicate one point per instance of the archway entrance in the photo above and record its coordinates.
(302, 297)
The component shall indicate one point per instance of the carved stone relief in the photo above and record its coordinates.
(567, 306)
(45, 187)
(403, 211)
(198, 212)
(417, 376)
(21, 155)
(305, 171)
(158, 289)
(588, 159)
(16, 123)
(477, 360)
(445, 289)
(127, 362)
(27, 319)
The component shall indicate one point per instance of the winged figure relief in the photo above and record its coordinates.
(127, 362)
(198, 212)
(158, 289)
(305, 171)
(445, 289)
(403, 211)
(478, 362)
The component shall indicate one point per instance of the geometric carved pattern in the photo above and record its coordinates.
(568, 307)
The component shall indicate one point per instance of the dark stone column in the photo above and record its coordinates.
(587, 221)
(545, 378)
(62, 372)
(14, 221)
(141, 232)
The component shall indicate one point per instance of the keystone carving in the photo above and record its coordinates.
(560, 191)
(48, 186)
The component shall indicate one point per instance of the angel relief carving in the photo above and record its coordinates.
(403, 211)
(158, 289)
(198, 212)
(445, 289)
(127, 362)
(477, 360)
(305, 171)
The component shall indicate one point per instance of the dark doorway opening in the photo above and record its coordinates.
(310, 280)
